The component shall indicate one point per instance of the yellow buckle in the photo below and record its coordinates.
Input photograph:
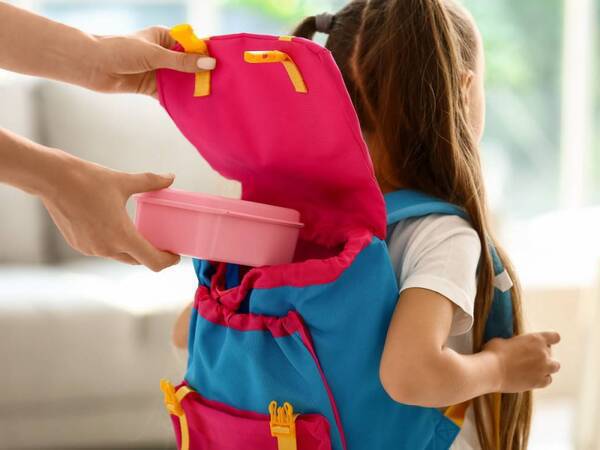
(184, 34)
(283, 425)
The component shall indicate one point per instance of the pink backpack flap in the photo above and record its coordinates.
(275, 115)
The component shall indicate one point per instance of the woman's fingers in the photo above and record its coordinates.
(140, 249)
(157, 35)
(162, 57)
(146, 182)
(132, 243)
(126, 259)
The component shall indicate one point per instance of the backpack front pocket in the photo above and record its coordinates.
(204, 424)
(246, 361)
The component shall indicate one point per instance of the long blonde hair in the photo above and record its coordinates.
(403, 62)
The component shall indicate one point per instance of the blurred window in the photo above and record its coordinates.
(522, 143)
(114, 17)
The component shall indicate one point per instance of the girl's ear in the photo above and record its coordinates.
(465, 88)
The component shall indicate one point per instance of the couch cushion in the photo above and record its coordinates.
(87, 331)
(84, 346)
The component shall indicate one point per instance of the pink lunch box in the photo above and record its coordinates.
(218, 228)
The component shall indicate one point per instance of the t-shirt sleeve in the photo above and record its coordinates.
(441, 254)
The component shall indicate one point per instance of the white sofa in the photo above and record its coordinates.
(84, 342)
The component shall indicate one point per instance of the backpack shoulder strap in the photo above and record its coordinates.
(408, 204)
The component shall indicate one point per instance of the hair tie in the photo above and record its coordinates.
(324, 22)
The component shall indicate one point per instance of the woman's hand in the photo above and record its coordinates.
(129, 63)
(35, 45)
(526, 361)
(87, 203)
(85, 200)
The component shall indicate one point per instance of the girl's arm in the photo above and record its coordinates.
(85, 200)
(418, 369)
(34, 45)
(181, 328)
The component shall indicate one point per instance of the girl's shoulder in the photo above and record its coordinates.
(432, 232)
(441, 254)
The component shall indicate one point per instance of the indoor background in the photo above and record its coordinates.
(83, 342)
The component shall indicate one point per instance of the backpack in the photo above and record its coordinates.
(287, 357)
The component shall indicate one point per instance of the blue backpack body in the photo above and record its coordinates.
(316, 347)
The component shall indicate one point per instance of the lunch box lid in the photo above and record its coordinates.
(286, 129)
(213, 204)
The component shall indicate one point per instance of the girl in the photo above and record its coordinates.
(414, 70)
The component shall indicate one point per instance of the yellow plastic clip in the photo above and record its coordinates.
(173, 404)
(275, 56)
(283, 425)
(184, 34)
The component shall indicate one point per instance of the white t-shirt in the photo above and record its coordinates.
(441, 253)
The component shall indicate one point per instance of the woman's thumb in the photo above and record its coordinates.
(146, 182)
(182, 62)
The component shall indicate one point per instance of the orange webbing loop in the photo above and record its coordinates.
(173, 401)
(275, 56)
(184, 34)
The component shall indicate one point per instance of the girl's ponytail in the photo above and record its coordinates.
(307, 28)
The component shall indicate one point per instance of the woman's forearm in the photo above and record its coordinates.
(29, 166)
(34, 45)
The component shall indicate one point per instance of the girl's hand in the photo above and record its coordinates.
(87, 203)
(526, 361)
(128, 63)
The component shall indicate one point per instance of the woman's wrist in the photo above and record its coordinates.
(77, 59)
(31, 167)
(53, 171)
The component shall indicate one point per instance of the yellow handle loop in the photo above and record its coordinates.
(283, 425)
(184, 34)
(172, 401)
(275, 56)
